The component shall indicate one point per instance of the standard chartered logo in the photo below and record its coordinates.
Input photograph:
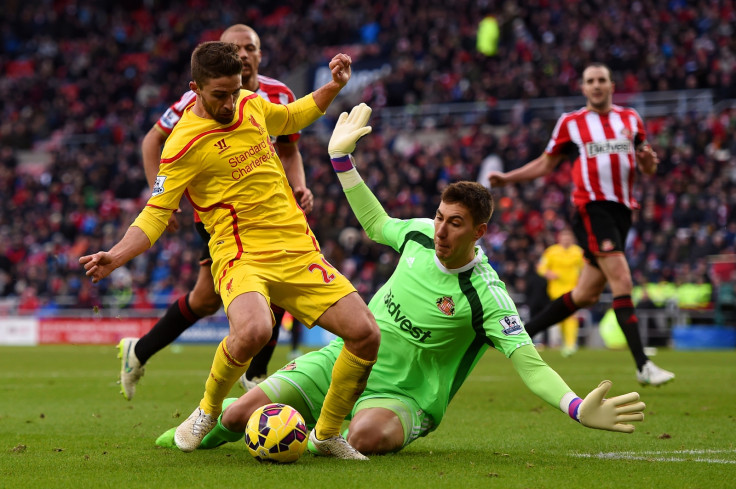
(402, 320)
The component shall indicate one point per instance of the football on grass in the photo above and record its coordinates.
(276, 433)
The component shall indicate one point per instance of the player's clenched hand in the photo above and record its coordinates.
(647, 160)
(349, 128)
(98, 265)
(305, 198)
(610, 414)
(497, 179)
(340, 67)
(173, 225)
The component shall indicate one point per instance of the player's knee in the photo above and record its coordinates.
(204, 303)
(364, 336)
(246, 340)
(369, 440)
(236, 417)
(588, 299)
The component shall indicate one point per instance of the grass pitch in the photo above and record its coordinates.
(63, 423)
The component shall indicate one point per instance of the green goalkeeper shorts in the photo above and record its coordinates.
(303, 384)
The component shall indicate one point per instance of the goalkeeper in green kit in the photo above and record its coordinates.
(442, 308)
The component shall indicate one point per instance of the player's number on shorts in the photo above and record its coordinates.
(326, 276)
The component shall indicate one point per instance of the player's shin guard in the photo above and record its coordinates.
(225, 371)
(349, 377)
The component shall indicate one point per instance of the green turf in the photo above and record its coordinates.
(63, 423)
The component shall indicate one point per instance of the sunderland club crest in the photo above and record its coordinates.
(446, 305)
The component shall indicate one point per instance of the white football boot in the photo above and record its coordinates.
(335, 446)
(189, 434)
(131, 369)
(650, 374)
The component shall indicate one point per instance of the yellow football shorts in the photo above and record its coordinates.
(303, 283)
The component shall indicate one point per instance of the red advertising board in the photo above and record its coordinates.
(91, 331)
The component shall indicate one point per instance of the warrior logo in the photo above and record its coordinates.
(221, 145)
(446, 305)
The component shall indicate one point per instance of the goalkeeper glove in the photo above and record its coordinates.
(349, 128)
(608, 414)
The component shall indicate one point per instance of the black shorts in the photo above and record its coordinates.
(601, 228)
(205, 258)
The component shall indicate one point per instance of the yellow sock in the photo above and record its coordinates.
(569, 328)
(349, 376)
(225, 371)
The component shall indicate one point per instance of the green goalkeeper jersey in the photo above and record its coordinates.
(436, 323)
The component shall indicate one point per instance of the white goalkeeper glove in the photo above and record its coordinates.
(610, 414)
(349, 128)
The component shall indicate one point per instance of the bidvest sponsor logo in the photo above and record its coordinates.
(402, 320)
(594, 149)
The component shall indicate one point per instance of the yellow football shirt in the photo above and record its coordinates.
(566, 263)
(234, 179)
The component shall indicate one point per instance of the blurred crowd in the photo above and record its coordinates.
(81, 83)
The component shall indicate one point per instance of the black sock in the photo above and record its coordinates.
(629, 323)
(553, 313)
(178, 318)
(259, 365)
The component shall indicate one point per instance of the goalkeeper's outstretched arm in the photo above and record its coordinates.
(348, 130)
(594, 411)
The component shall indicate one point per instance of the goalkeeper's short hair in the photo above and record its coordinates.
(474, 196)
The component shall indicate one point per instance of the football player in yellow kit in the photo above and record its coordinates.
(220, 156)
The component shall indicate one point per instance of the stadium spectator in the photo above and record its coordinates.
(85, 81)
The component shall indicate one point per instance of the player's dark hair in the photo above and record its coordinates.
(474, 196)
(600, 65)
(215, 59)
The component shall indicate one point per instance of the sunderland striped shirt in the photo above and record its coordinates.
(606, 143)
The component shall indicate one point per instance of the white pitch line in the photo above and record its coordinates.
(638, 456)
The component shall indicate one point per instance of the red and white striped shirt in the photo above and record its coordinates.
(268, 88)
(606, 143)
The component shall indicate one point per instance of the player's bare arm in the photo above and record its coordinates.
(101, 264)
(536, 168)
(646, 159)
(151, 146)
(341, 72)
(291, 158)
